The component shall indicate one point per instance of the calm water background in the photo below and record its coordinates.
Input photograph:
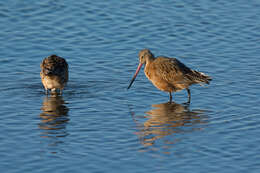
(99, 126)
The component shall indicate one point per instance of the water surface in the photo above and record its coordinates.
(99, 126)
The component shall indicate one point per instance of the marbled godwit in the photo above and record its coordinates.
(168, 74)
(54, 73)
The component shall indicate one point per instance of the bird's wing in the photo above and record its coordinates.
(172, 70)
(56, 66)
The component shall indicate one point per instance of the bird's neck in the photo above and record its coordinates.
(149, 60)
(148, 64)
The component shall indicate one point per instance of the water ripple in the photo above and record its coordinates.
(97, 121)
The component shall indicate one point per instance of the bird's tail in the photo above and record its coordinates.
(198, 77)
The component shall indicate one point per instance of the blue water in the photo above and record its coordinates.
(99, 126)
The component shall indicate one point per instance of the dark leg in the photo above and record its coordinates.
(188, 91)
(170, 97)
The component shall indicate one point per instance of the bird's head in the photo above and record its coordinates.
(145, 56)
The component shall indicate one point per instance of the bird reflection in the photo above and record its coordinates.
(165, 121)
(53, 117)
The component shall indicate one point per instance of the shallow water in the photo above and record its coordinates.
(99, 126)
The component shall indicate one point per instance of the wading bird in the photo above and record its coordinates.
(168, 74)
(54, 73)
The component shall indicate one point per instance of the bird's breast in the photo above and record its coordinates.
(157, 80)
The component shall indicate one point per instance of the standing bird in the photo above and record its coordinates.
(168, 74)
(54, 73)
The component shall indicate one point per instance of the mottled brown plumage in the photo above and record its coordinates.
(54, 73)
(168, 74)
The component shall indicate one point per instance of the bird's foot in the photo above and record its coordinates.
(186, 103)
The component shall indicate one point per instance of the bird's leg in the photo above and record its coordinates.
(189, 96)
(170, 97)
(46, 91)
(53, 91)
